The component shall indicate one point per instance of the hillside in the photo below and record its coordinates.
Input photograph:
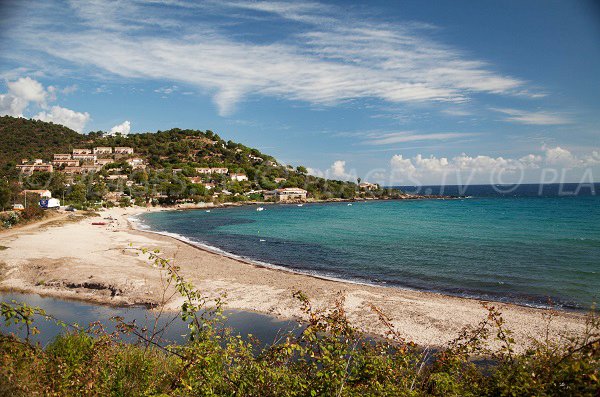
(163, 167)
(27, 139)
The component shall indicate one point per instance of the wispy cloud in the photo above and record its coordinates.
(409, 136)
(533, 118)
(324, 64)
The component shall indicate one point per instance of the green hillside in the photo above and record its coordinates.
(28, 139)
(170, 172)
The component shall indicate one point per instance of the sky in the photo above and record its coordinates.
(411, 92)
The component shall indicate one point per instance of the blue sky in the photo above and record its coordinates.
(413, 92)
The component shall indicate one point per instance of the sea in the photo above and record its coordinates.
(534, 245)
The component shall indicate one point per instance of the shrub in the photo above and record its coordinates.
(329, 358)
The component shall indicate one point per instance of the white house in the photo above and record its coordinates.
(286, 194)
(238, 177)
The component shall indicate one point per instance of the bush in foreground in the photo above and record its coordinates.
(329, 358)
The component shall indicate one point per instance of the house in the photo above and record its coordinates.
(368, 186)
(271, 163)
(238, 177)
(116, 177)
(87, 169)
(136, 163)
(204, 170)
(255, 158)
(123, 150)
(72, 170)
(29, 169)
(209, 185)
(177, 170)
(103, 150)
(103, 162)
(84, 157)
(196, 179)
(42, 193)
(68, 163)
(286, 194)
(279, 180)
(82, 151)
(58, 157)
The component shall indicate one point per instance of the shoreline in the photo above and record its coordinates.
(248, 261)
(101, 268)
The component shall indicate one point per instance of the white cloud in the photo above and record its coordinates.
(167, 90)
(124, 128)
(324, 64)
(11, 105)
(336, 171)
(533, 118)
(20, 93)
(27, 89)
(67, 117)
(434, 169)
(408, 136)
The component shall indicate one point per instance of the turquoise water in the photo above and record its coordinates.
(528, 250)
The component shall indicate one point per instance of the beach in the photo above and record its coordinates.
(69, 257)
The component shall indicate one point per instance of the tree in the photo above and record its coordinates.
(302, 169)
(77, 194)
(5, 194)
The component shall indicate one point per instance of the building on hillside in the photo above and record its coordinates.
(85, 157)
(196, 179)
(279, 180)
(68, 163)
(203, 170)
(209, 185)
(72, 170)
(58, 157)
(29, 169)
(103, 162)
(271, 163)
(286, 194)
(82, 151)
(116, 177)
(177, 170)
(368, 186)
(88, 169)
(41, 193)
(255, 158)
(238, 177)
(222, 171)
(103, 150)
(123, 150)
(136, 163)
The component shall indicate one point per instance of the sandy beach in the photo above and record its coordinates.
(70, 258)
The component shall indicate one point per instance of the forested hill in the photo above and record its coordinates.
(27, 139)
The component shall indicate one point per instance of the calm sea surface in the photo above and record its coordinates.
(520, 246)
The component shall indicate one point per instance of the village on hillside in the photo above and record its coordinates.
(121, 172)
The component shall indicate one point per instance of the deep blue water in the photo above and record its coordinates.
(524, 248)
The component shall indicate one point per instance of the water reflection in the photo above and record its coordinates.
(265, 328)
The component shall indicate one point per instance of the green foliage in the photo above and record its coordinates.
(23, 138)
(329, 358)
(164, 152)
